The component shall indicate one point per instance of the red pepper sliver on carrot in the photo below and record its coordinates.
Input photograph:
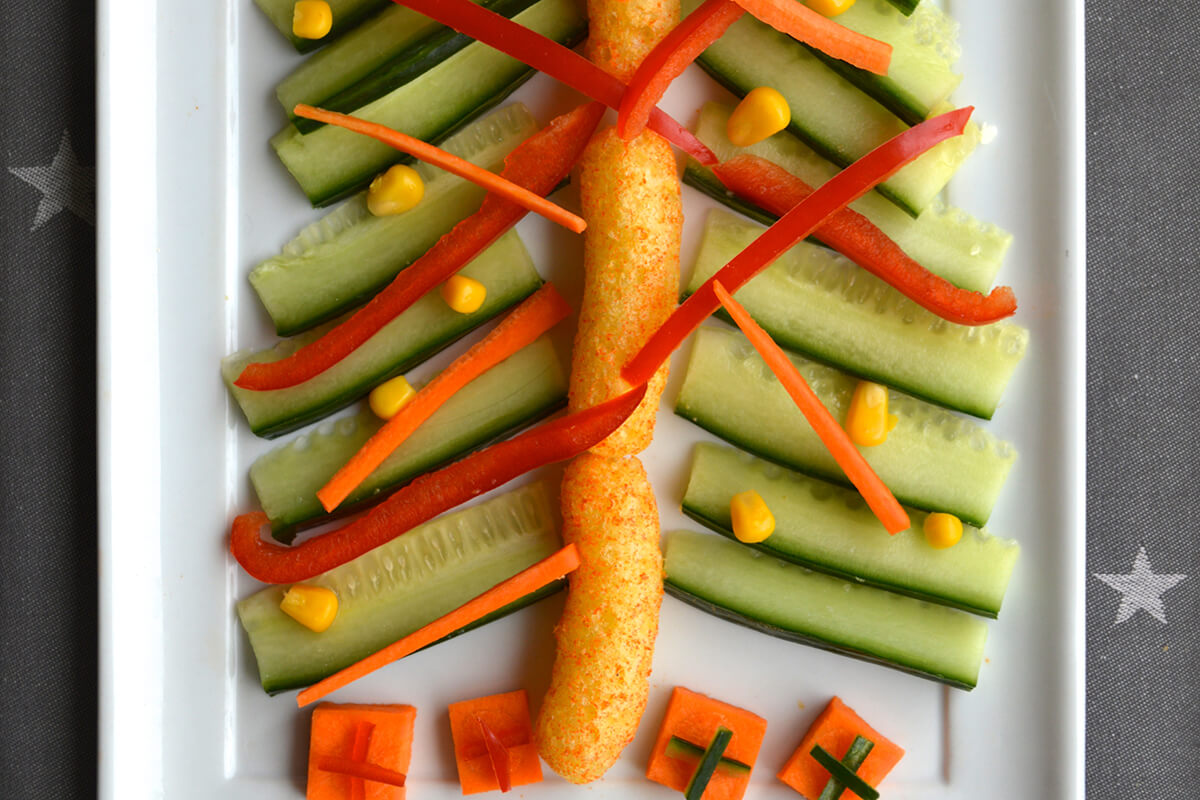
(774, 188)
(358, 770)
(552, 58)
(497, 754)
(539, 164)
(529, 580)
(844, 188)
(669, 59)
(536, 315)
(362, 742)
(879, 498)
(432, 154)
(427, 496)
(816, 30)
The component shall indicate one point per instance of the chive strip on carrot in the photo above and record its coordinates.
(840, 190)
(497, 754)
(816, 30)
(362, 742)
(843, 774)
(362, 771)
(708, 764)
(438, 157)
(539, 163)
(669, 59)
(559, 62)
(860, 748)
(540, 312)
(880, 499)
(529, 580)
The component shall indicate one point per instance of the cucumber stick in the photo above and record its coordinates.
(402, 586)
(348, 255)
(817, 303)
(830, 529)
(742, 585)
(424, 328)
(524, 387)
(921, 74)
(946, 241)
(829, 113)
(346, 14)
(932, 459)
(331, 162)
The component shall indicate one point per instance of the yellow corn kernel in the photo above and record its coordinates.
(762, 113)
(314, 607)
(868, 421)
(390, 396)
(752, 520)
(465, 295)
(311, 19)
(943, 530)
(829, 8)
(395, 191)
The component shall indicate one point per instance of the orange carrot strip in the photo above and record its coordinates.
(801, 22)
(362, 741)
(361, 771)
(540, 312)
(546, 571)
(449, 162)
(878, 496)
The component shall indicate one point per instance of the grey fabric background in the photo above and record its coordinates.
(1143, 386)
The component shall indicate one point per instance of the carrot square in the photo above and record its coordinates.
(834, 729)
(507, 715)
(333, 729)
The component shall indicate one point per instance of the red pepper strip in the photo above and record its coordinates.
(557, 61)
(880, 499)
(669, 58)
(497, 754)
(362, 742)
(428, 495)
(856, 237)
(357, 769)
(539, 164)
(818, 31)
(845, 187)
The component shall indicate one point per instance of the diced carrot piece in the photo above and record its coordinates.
(334, 728)
(695, 718)
(506, 715)
(835, 729)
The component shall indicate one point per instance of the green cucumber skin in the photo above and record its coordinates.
(708, 764)
(732, 562)
(409, 64)
(903, 105)
(730, 392)
(905, 7)
(972, 576)
(824, 307)
(678, 748)
(425, 328)
(403, 585)
(522, 389)
(331, 163)
(346, 15)
(345, 258)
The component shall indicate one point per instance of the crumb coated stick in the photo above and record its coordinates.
(605, 639)
(622, 32)
(631, 200)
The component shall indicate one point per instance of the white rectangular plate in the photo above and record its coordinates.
(191, 196)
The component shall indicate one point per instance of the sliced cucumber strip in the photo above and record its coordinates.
(346, 14)
(742, 585)
(348, 255)
(815, 302)
(830, 529)
(331, 162)
(906, 7)
(402, 586)
(921, 73)
(829, 113)
(946, 241)
(708, 764)
(524, 387)
(426, 327)
(932, 459)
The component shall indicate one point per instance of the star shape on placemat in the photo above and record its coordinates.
(1141, 589)
(65, 184)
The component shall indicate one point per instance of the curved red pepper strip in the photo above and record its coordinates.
(428, 495)
(818, 31)
(539, 164)
(669, 58)
(844, 188)
(559, 62)
(774, 188)
(361, 771)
